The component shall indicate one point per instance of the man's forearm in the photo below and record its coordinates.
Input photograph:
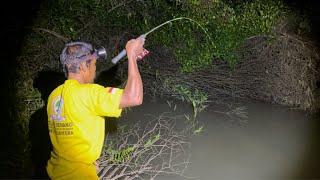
(134, 80)
(133, 91)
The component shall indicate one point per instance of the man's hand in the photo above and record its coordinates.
(135, 49)
(143, 54)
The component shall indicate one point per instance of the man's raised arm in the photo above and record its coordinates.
(133, 91)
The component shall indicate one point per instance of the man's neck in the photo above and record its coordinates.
(76, 77)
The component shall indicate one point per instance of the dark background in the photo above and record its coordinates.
(15, 16)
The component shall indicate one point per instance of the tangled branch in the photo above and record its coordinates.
(145, 152)
(280, 70)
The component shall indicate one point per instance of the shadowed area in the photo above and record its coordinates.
(41, 146)
(15, 17)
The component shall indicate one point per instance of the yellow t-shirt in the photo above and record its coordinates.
(76, 123)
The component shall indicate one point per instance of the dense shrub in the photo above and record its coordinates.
(224, 25)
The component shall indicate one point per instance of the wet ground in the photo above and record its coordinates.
(273, 142)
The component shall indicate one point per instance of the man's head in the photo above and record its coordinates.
(79, 59)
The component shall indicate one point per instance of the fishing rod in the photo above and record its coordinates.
(123, 53)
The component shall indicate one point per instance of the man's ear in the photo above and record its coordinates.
(83, 66)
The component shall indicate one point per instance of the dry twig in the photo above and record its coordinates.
(157, 148)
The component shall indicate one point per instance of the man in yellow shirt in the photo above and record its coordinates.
(77, 107)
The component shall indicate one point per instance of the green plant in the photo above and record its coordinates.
(226, 25)
(119, 156)
(152, 140)
(195, 97)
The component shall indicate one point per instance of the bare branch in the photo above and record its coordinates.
(158, 148)
(64, 39)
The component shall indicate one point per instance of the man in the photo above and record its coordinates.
(77, 107)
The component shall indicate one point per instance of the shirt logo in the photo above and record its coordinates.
(57, 109)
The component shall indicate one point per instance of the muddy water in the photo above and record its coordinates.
(273, 142)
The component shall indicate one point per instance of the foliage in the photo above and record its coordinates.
(119, 156)
(152, 140)
(228, 28)
(68, 17)
(228, 25)
(195, 97)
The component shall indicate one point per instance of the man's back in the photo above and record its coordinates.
(76, 123)
(76, 109)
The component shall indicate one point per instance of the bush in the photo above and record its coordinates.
(224, 26)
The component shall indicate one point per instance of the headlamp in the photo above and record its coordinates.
(101, 53)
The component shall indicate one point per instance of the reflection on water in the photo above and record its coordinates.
(274, 142)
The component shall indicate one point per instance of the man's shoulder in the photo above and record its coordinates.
(91, 87)
(57, 90)
(55, 93)
(87, 90)
(100, 87)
